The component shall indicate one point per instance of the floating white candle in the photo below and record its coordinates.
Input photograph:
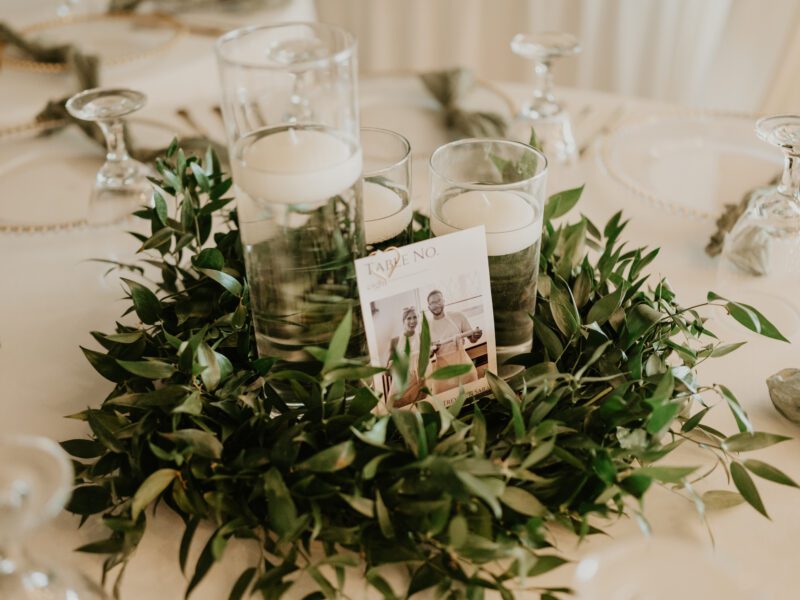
(295, 166)
(511, 221)
(385, 215)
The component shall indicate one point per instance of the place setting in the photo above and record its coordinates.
(367, 347)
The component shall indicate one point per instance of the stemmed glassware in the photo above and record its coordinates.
(35, 483)
(765, 241)
(121, 184)
(542, 111)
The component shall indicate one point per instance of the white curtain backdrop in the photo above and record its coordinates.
(730, 54)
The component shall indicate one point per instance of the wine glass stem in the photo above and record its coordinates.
(790, 180)
(114, 133)
(543, 81)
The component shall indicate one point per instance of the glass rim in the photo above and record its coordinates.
(54, 504)
(242, 32)
(394, 134)
(541, 171)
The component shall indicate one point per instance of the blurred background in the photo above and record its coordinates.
(729, 54)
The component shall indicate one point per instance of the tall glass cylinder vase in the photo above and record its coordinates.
(499, 184)
(290, 106)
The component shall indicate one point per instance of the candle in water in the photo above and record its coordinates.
(386, 214)
(298, 191)
(295, 166)
(512, 224)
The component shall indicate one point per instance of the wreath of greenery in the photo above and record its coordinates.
(464, 496)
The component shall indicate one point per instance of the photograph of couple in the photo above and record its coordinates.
(456, 321)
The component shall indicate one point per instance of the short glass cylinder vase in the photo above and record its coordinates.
(499, 184)
(290, 108)
(387, 189)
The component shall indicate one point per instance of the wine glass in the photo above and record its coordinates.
(35, 482)
(121, 184)
(543, 112)
(761, 253)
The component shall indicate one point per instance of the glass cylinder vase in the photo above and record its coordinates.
(290, 106)
(499, 184)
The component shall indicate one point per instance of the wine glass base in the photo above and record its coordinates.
(113, 205)
(553, 135)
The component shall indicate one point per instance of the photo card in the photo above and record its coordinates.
(440, 285)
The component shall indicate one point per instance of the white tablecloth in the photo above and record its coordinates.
(51, 297)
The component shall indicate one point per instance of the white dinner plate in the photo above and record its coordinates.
(116, 38)
(690, 164)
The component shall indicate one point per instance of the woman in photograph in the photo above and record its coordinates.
(409, 338)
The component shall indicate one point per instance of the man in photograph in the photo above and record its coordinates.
(448, 330)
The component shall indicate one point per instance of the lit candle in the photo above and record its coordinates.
(296, 166)
(386, 214)
(511, 223)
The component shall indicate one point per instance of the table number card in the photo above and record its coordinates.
(446, 280)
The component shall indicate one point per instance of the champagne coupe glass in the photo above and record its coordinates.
(543, 112)
(121, 184)
(761, 254)
(35, 482)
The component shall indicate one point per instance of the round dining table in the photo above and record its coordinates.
(55, 288)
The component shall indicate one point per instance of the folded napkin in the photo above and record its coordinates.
(448, 87)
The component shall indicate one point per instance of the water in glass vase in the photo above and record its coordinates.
(513, 222)
(298, 192)
(387, 214)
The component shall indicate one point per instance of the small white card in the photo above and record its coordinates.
(446, 279)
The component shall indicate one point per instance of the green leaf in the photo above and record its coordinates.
(747, 488)
(384, 516)
(242, 583)
(748, 441)
(227, 281)
(192, 405)
(330, 459)
(768, 472)
(522, 501)
(149, 369)
(450, 371)
(81, 448)
(365, 506)
(750, 317)
(150, 489)
(338, 344)
(720, 499)
(105, 365)
(666, 474)
(209, 258)
(561, 203)
(409, 424)
(162, 237)
(457, 531)
(604, 307)
(211, 373)
(487, 489)
(424, 346)
(89, 500)
(198, 441)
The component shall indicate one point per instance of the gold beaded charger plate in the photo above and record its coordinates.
(690, 164)
(48, 179)
(115, 38)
